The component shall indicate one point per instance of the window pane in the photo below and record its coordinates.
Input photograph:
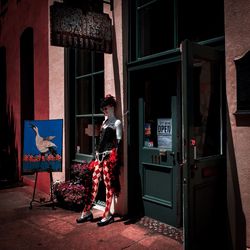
(159, 86)
(83, 96)
(83, 62)
(87, 136)
(83, 141)
(156, 27)
(200, 20)
(99, 92)
(206, 108)
(88, 62)
(99, 62)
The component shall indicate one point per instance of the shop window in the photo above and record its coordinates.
(157, 26)
(86, 88)
(89, 89)
(243, 84)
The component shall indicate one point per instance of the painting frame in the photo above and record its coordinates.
(42, 146)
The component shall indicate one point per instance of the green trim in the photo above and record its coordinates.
(156, 165)
(156, 56)
(213, 41)
(90, 74)
(139, 65)
(83, 157)
(173, 54)
(157, 200)
(137, 40)
(89, 115)
(146, 4)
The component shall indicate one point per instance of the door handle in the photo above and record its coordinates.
(163, 152)
(193, 144)
(173, 155)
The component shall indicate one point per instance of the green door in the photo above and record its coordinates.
(158, 166)
(155, 97)
(203, 150)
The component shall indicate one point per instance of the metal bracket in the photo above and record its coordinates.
(111, 3)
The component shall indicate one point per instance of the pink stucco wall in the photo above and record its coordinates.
(12, 26)
(56, 91)
(237, 35)
(115, 84)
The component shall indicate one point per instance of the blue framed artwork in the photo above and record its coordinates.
(42, 148)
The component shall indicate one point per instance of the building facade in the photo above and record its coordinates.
(179, 72)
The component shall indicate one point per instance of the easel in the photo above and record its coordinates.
(51, 200)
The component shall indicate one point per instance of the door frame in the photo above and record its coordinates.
(135, 204)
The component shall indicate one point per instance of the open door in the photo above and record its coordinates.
(203, 153)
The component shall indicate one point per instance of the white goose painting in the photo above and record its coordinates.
(42, 147)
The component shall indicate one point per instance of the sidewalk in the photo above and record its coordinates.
(45, 228)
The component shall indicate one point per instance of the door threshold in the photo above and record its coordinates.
(156, 226)
(99, 205)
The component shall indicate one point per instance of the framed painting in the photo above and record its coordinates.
(42, 146)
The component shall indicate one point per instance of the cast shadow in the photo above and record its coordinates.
(135, 203)
(8, 150)
(236, 222)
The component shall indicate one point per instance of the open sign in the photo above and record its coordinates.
(164, 126)
(164, 133)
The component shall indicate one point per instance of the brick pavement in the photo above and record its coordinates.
(45, 228)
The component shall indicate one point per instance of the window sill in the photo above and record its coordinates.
(240, 113)
(242, 117)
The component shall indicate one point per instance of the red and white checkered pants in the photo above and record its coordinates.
(101, 170)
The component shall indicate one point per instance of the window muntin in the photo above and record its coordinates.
(84, 96)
